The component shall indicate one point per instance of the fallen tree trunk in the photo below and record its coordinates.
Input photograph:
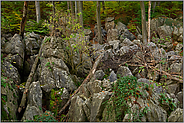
(29, 80)
(91, 73)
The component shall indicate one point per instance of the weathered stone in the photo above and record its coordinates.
(165, 31)
(109, 23)
(114, 44)
(9, 100)
(87, 108)
(15, 60)
(124, 71)
(179, 96)
(123, 50)
(30, 112)
(34, 106)
(76, 111)
(172, 88)
(159, 54)
(96, 106)
(32, 46)
(176, 67)
(99, 74)
(176, 116)
(112, 77)
(10, 71)
(94, 87)
(106, 85)
(54, 73)
(15, 46)
(127, 42)
(179, 47)
(112, 35)
(108, 54)
(137, 42)
(89, 33)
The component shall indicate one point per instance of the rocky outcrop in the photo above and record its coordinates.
(34, 106)
(9, 99)
(176, 116)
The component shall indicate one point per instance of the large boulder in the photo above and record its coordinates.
(124, 32)
(165, 31)
(97, 105)
(109, 23)
(112, 34)
(124, 71)
(9, 100)
(34, 106)
(76, 112)
(10, 71)
(176, 116)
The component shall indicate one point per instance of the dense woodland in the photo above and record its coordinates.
(97, 61)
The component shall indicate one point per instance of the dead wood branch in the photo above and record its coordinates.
(91, 73)
(29, 80)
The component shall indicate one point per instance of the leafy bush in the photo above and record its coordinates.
(125, 88)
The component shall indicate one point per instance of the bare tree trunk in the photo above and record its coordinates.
(38, 15)
(53, 9)
(103, 5)
(80, 11)
(72, 11)
(149, 17)
(76, 10)
(158, 4)
(154, 5)
(68, 5)
(24, 19)
(144, 34)
(99, 22)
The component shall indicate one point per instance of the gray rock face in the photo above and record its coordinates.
(96, 106)
(179, 47)
(165, 31)
(32, 46)
(15, 60)
(152, 46)
(99, 74)
(109, 23)
(76, 111)
(176, 67)
(89, 33)
(159, 53)
(176, 116)
(112, 77)
(112, 35)
(34, 106)
(9, 99)
(115, 45)
(155, 23)
(53, 71)
(11, 72)
(15, 46)
(94, 87)
(124, 32)
(127, 42)
(124, 71)
(179, 96)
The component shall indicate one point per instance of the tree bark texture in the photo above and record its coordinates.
(154, 5)
(81, 16)
(38, 15)
(76, 10)
(103, 5)
(72, 11)
(24, 19)
(53, 9)
(149, 18)
(99, 22)
(144, 34)
(68, 5)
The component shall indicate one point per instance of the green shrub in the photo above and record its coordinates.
(125, 88)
